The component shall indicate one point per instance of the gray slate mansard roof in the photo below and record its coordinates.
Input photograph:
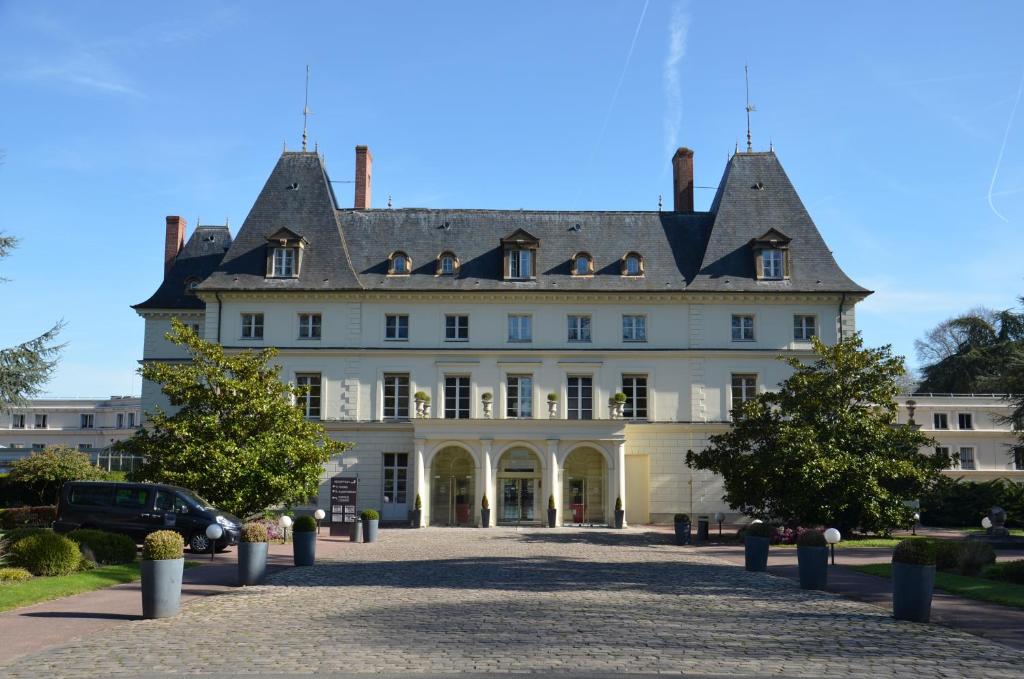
(348, 249)
(199, 258)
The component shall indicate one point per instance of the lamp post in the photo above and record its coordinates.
(286, 522)
(213, 533)
(719, 517)
(913, 527)
(319, 516)
(832, 536)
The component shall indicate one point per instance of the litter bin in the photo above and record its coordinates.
(702, 529)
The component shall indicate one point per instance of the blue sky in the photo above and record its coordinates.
(895, 121)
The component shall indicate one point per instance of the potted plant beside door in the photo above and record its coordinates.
(757, 537)
(163, 563)
(252, 554)
(304, 541)
(681, 523)
(552, 512)
(620, 513)
(371, 519)
(812, 559)
(485, 513)
(417, 513)
(913, 579)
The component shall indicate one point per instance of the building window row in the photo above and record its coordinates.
(940, 421)
(805, 327)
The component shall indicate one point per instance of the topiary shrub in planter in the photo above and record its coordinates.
(975, 557)
(304, 541)
(485, 513)
(757, 537)
(812, 559)
(913, 579)
(252, 554)
(416, 519)
(620, 513)
(12, 575)
(681, 523)
(552, 512)
(162, 566)
(102, 547)
(371, 521)
(46, 553)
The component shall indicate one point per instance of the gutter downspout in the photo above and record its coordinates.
(842, 303)
(220, 307)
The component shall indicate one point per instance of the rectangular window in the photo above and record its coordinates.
(520, 264)
(771, 264)
(635, 389)
(131, 420)
(120, 420)
(396, 327)
(944, 451)
(38, 446)
(396, 478)
(579, 329)
(87, 421)
(309, 326)
(252, 326)
(84, 446)
(284, 262)
(519, 396)
(634, 328)
(804, 328)
(744, 388)
(965, 421)
(940, 421)
(742, 328)
(967, 457)
(456, 328)
(40, 421)
(310, 401)
(396, 396)
(580, 398)
(456, 398)
(1018, 458)
(17, 421)
(520, 328)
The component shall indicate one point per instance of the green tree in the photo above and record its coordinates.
(45, 472)
(236, 437)
(26, 367)
(824, 449)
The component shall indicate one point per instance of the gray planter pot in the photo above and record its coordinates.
(620, 517)
(755, 553)
(485, 518)
(370, 529)
(813, 565)
(161, 587)
(552, 517)
(252, 563)
(682, 533)
(304, 548)
(357, 531)
(912, 591)
(416, 519)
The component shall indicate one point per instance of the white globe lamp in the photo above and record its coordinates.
(832, 536)
(319, 516)
(213, 533)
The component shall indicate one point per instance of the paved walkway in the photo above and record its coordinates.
(587, 602)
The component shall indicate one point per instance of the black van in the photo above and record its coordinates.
(138, 509)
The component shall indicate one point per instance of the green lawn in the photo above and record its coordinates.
(993, 591)
(40, 589)
(860, 543)
(1013, 531)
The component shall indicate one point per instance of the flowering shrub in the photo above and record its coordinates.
(19, 517)
(274, 530)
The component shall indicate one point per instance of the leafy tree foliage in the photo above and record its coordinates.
(824, 449)
(45, 472)
(237, 439)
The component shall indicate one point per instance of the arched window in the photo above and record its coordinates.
(582, 264)
(447, 264)
(632, 265)
(399, 264)
(190, 285)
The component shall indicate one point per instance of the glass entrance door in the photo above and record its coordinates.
(396, 470)
(517, 500)
(452, 488)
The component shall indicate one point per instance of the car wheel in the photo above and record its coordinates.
(199, 543)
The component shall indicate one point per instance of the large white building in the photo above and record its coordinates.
(489, 311)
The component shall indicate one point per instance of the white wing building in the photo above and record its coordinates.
(487, 312)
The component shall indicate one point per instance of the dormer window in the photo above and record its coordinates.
(399, 264)
(582, 264)
(284, 254)
(520, 255)
(520, 264)
(447, 264)
(632, 265)
(771, 256)
(190, 285)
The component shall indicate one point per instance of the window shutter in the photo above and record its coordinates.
(270, 261)
(785, 263)
(759, 263)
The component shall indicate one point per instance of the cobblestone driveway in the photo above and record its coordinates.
(551, 601)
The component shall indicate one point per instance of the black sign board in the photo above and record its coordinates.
(343, 504)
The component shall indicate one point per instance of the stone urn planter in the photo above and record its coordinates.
(681, 523)
(371, 519)
(756, 540)
(485, 513)
(812, 559)
(304, 541)
(163, 564)
(620, 513)
(616, 404)
(552, 512)
(252, 554)
(422, 400)
(913, 579)
(485, 400)
(416, 517)
(553, 405)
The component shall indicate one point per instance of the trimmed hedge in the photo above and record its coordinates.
(46, 553)
(103, 547)
(953, 502)
(13, 536)
(1006, 571)
(304, 524)
(163, 545)
(974, 557)
(11, 575)
(20, 517)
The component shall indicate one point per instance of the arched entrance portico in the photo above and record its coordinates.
(452, 487)
(584, 487)
(519, 486)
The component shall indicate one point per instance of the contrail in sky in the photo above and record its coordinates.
(999, 160)
(677, 30)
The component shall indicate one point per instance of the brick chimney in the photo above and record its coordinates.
(682, 180)
(364, 177)
(174, 240)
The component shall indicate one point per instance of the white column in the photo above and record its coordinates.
(620, 475)
(554, 488)
(488, 484)
(420, 483)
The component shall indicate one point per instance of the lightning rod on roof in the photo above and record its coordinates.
(750, 107)
(305, 111)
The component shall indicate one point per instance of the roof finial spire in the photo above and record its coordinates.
(659, 202)
(389, 201)
(750, 107)
(305, 111)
